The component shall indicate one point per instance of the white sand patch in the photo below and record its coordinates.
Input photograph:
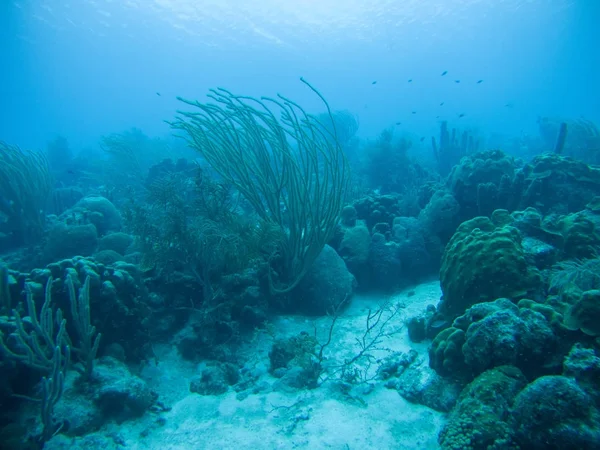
(322, 418)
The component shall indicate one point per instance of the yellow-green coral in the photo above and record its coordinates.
(581, 234)
(286, 163)
(480, 419)
(483, 262)
(585, 314)
(445, 353)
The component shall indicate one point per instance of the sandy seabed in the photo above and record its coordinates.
(276, 418)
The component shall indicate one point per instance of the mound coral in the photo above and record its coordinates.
(483, 262)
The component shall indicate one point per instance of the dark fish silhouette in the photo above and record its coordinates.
(374, 82)
(457, 81)
(480, 81)
(158, 93)
(414, 112)
(398, 123)
(461, 115)
(444, 72)
(410, 80)
(422, 139)
(438, 323)
(442, 104)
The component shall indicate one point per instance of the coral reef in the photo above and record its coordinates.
(283, 271)
(484, 261)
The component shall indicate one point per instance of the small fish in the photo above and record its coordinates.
(437, 117)
(422, 139)
(461, 115)
(444, 72)
(480, 81)
(374, 82)
(398, 123)
(158, 93)
(442, 104)
(414, 112)
(438, 323)
(410, 80)
(457, 81)
(509, 105)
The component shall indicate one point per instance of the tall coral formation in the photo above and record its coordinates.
(291, 169)
(25, 185)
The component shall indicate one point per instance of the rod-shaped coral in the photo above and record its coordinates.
(25, 186)
(287, 163)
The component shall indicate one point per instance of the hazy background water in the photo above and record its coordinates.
(86, 68)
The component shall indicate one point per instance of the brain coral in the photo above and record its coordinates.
(482, 262)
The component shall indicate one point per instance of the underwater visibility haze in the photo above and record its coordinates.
(300, 224)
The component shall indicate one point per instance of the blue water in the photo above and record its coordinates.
(440, 290)
(81, 69)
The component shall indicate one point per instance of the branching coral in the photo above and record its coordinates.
(192, 224)
(40, 341)
(291, 169)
